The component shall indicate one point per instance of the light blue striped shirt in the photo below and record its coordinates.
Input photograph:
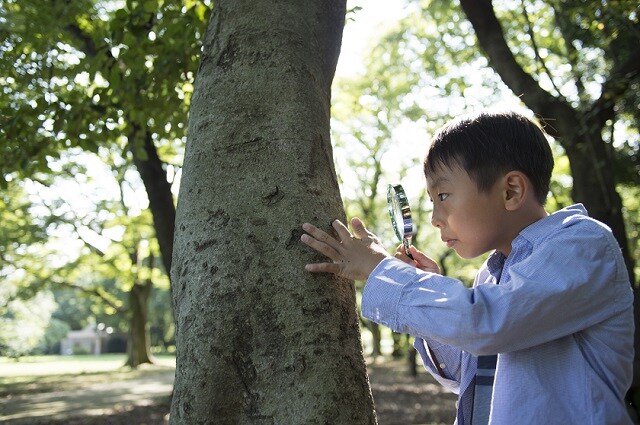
(561, 322)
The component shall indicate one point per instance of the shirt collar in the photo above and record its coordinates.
(495, 262)
(542, 227)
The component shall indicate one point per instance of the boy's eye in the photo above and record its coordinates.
(443, 196)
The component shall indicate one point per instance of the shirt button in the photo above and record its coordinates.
(442, 365)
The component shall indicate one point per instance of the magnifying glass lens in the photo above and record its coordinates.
(400, 215)
(398, 221)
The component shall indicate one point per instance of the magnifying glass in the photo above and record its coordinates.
(400, 214)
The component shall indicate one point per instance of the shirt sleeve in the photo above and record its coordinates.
(449, 361)
(569, 283)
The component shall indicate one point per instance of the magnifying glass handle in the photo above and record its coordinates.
(405, 242)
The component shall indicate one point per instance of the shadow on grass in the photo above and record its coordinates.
(153, 414)
(89, 397)
(141, 397)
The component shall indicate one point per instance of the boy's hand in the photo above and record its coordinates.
(420, 260)
(353, 257)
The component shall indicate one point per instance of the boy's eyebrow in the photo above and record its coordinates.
(439, 181)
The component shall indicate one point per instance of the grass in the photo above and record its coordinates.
(59, 365)
(42, 373)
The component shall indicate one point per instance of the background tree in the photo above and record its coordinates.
(381, 119)
(95, 77)
(364, 117)
(576, 116)
(115, 249)
(98, 74)
(258, 338)
(370, 120)
(24, 314)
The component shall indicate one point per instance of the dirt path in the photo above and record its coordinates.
(120, 398)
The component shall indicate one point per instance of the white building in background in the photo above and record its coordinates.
(90, 340)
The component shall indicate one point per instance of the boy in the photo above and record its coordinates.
(545, 336)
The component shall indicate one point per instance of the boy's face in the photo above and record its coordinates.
(470, 222)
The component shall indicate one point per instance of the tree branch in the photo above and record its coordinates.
(89, 48)
(96, 292)
(617, 84)
(571, 51)
(491, 39)
(536, 50)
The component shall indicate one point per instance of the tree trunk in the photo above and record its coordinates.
(594, 183)
(158, 189)
(259, 340)
(376, 338)
(411, 358)
(138, 346)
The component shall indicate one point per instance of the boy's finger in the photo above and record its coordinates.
(320, 235)
(359, 229)
(342, 230)
(421, 258)
(418, 255)
(323, 268)
(415, 252)
(321, 247)
(402, 256)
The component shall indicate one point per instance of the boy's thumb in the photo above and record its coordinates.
(416, 253)
(358, 227)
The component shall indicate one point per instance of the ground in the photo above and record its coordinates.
(125, 397)
(405, 400)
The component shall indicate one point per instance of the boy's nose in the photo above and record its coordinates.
(435, 221)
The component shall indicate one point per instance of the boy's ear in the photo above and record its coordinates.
(516, 187)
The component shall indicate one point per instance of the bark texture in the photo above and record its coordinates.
(259, 340)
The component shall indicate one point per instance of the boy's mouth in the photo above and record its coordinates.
(449, 242)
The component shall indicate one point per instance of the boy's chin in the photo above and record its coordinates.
(467, 255)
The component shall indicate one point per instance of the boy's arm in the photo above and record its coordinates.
(445, 365)
(519, 313)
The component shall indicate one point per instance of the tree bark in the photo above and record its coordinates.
(259, 340)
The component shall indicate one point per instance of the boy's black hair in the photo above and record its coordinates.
(488, 145)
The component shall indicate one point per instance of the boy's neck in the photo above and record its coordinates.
(521, 219)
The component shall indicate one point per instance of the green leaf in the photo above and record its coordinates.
(150, 6)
